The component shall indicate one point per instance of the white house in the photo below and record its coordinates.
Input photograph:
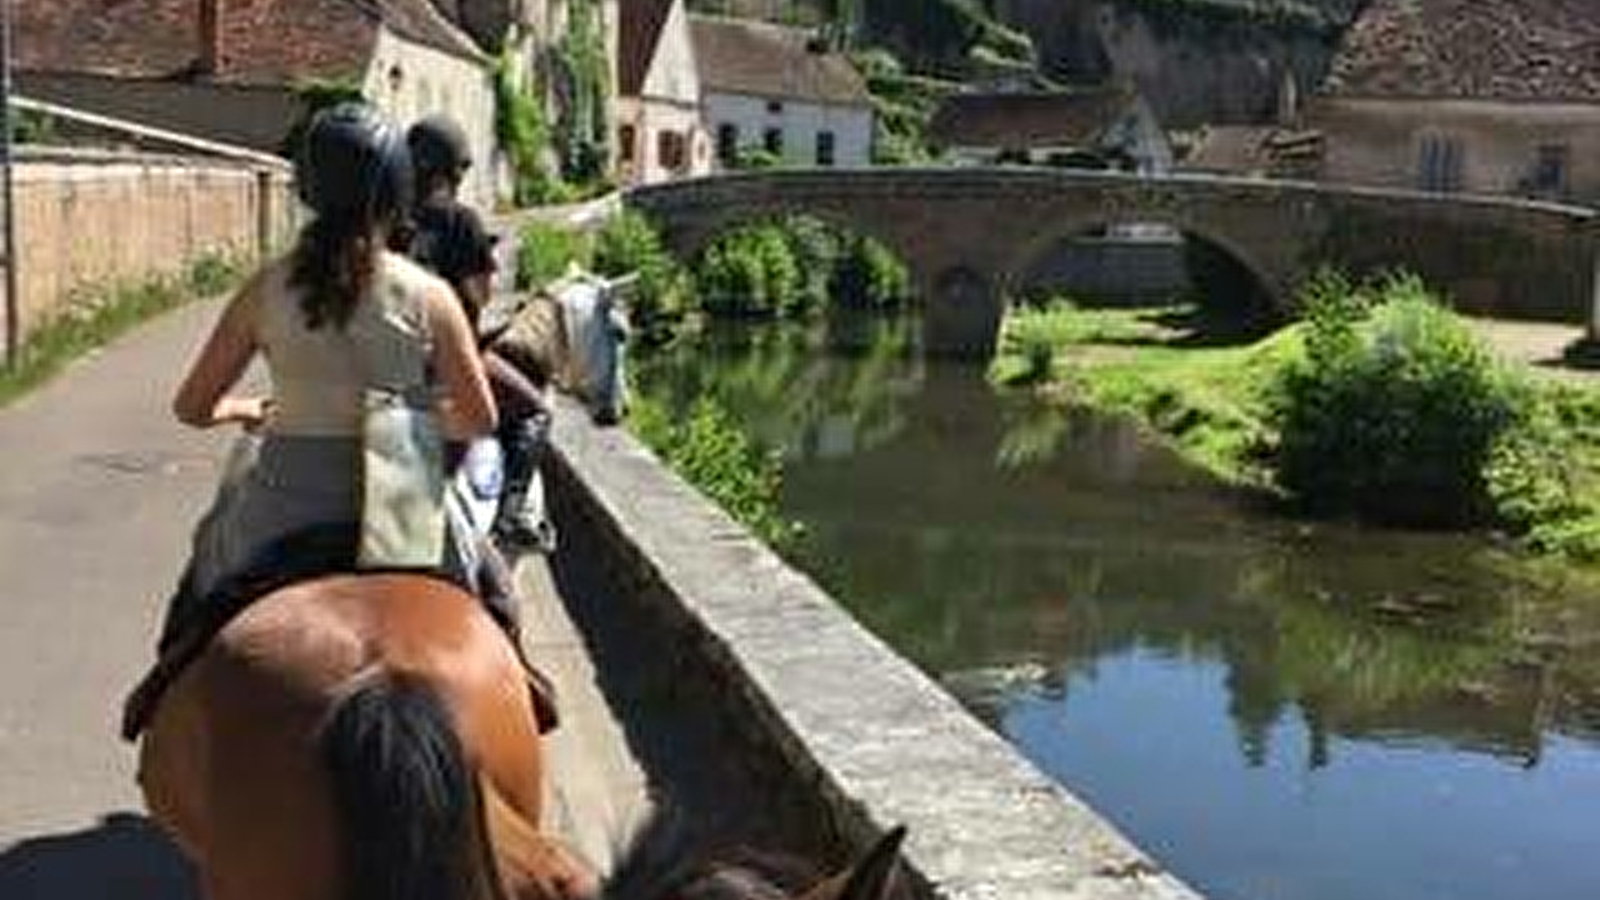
(773, 88)
(659, 130)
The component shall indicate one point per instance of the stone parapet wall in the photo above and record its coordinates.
(848, 738)
(90, 220)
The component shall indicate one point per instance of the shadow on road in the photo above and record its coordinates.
(126, 857)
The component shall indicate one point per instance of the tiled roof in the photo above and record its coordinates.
(1482, 49)
(264, 42)
(741, 56)
(1031, 119)
(638, 35)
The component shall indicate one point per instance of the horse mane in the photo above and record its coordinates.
(536, 339)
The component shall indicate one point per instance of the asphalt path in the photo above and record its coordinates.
(98, 489)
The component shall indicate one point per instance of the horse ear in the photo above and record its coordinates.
(870, 878)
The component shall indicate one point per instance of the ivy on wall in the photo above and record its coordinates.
(583, 84)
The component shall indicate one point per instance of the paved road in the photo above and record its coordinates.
(98, 490)
(98, 487)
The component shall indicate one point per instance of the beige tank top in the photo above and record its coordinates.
(319, 377)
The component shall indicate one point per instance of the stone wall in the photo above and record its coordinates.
(969, 234)
(846, 738)
(85, 220)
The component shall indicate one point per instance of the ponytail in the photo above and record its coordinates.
(334, 263)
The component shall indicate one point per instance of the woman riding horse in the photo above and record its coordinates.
(347, 736)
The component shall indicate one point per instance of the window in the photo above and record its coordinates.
(728, 144)
(773, 141)
(775, 107)
(671, 151)
(1550, 170)
(1439, 168)
(625, 142)
(824, 148)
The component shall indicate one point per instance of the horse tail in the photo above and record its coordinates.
(408, 806)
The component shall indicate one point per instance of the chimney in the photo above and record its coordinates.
(211, 55)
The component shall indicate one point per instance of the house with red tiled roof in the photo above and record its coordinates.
(660, 134)
(1475, 96)
(235, 71)
(781, 90)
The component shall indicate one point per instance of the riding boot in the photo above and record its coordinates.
(524, 442)
(497, 588)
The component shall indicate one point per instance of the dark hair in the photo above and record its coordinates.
(354, 170)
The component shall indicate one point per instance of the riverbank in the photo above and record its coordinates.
(1217, 399)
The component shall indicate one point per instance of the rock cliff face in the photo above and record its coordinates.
(1200, 61)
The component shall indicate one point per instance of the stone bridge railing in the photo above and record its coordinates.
(845, 737)
(969, 234)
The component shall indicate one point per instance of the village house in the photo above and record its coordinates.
(658, 126)
(235, 72)
(1488, 97)
(1108, 127)
(776, 89)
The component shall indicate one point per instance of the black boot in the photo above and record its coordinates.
(524, 442)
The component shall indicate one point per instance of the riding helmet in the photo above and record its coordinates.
(439, 146)
(354, 161)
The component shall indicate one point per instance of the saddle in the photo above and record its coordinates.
(316, 552)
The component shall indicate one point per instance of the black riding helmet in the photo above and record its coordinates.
(354, 161)
(439, 147)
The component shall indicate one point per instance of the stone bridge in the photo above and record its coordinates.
(970, 234)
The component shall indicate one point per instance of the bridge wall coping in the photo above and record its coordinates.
(856, 725)
(1004, 175)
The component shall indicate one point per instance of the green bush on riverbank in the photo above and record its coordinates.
(1381, 404)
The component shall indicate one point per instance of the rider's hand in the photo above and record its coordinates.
(249, 412)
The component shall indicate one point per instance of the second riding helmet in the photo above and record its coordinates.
(354, 162)
(439, 146)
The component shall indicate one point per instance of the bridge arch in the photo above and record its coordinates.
(1220, 265)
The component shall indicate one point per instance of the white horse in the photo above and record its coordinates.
(572, 333)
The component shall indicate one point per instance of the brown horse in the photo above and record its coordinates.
(361, 737)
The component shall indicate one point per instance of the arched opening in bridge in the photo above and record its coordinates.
(1196, 288)
(794, 266)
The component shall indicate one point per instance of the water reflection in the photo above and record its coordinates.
(1111, 611)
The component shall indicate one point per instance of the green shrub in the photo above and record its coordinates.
(818, 250)
(710, 451)
(868, 276)
(756, 159)
(524, 135)
(664, 292)
(750, 271)
(213, 273)
(545, 251)
(1395, 409)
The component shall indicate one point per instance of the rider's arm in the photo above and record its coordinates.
(203, 400)
(469, 406)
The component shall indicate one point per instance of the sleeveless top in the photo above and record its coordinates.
(319, 376)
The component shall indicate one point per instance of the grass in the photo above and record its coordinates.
(96, 317)
(1202, 399)
(1210, 402)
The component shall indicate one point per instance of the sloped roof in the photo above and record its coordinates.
(1027, 119)
(264, 42)
(743, 56)
(639, 33)
(1478, 49)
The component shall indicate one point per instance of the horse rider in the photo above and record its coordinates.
(448, 237)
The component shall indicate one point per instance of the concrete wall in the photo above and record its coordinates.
(90, 220)
(799, 121)
(846, 737)
(1379, 142)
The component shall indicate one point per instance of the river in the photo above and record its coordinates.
(1275, 709)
